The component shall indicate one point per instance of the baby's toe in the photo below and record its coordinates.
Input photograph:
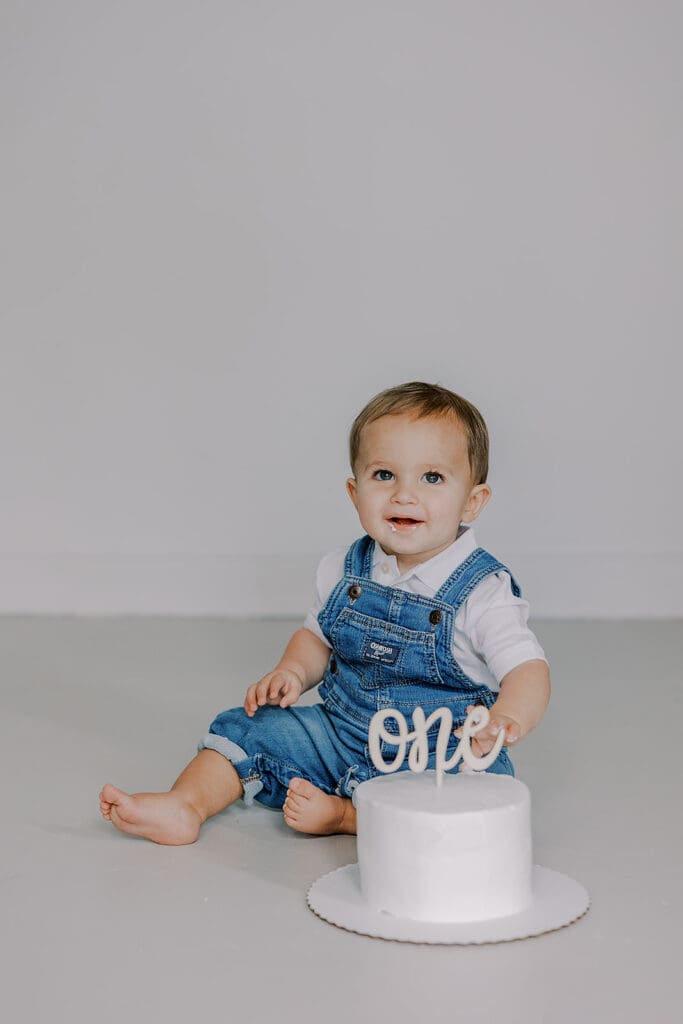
(291, 812)
(301, 788)
(110, 794)
(293, 804)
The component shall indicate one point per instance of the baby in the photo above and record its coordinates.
(413, 614)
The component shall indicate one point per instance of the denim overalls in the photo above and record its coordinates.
(390, 649)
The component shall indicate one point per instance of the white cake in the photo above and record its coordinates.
(457, 852)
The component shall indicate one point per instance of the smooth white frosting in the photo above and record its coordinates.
(456, 852)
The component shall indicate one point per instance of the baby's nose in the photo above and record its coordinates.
(404, 495)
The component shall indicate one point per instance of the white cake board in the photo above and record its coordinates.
(557, 901)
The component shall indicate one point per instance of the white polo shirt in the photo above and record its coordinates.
(490, 632)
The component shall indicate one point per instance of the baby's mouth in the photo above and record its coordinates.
(402, 524)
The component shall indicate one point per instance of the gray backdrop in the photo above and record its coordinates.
(227, 224)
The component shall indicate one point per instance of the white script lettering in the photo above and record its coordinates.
(418, 755)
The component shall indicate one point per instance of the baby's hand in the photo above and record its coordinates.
(484, 741)
(282, 686)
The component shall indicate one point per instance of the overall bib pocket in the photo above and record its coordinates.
(384, 654)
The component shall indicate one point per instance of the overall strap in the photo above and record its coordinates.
(358, 561)
(469, 574)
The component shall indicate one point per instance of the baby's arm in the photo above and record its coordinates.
(301, 666)
(522, 701)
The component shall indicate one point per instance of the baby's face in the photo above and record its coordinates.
(413, 485)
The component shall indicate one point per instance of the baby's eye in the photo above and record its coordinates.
(383, 474)
(433, 477)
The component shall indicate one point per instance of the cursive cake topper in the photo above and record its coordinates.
(418, 754)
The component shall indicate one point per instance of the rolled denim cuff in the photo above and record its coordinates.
(251, 783)
(348, 784)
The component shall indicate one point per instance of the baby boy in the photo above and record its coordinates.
(413, 614)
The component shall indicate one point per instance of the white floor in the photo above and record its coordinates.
(98, 927)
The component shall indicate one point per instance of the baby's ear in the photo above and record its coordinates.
(479, 496)
(352, 490)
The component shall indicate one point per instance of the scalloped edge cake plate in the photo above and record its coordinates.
(557, 901)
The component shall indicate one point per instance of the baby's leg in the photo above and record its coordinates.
(208, 785)
(309, 809)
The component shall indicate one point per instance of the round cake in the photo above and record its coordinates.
(460, 851)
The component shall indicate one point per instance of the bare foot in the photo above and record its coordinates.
(162, 817)
(308, 809)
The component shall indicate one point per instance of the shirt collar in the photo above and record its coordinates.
(435, 571)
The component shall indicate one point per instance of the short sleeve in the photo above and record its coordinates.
(330, 570)
(496, 622)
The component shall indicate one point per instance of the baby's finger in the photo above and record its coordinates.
(509, 728)
(458, 732)
(482, 734)
(491, 731)
(512, 733)
(261, 692)
(288, 695)
(275, 689)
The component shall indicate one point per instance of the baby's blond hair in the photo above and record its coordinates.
(427, 400)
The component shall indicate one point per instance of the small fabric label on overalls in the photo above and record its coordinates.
(386, 653)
